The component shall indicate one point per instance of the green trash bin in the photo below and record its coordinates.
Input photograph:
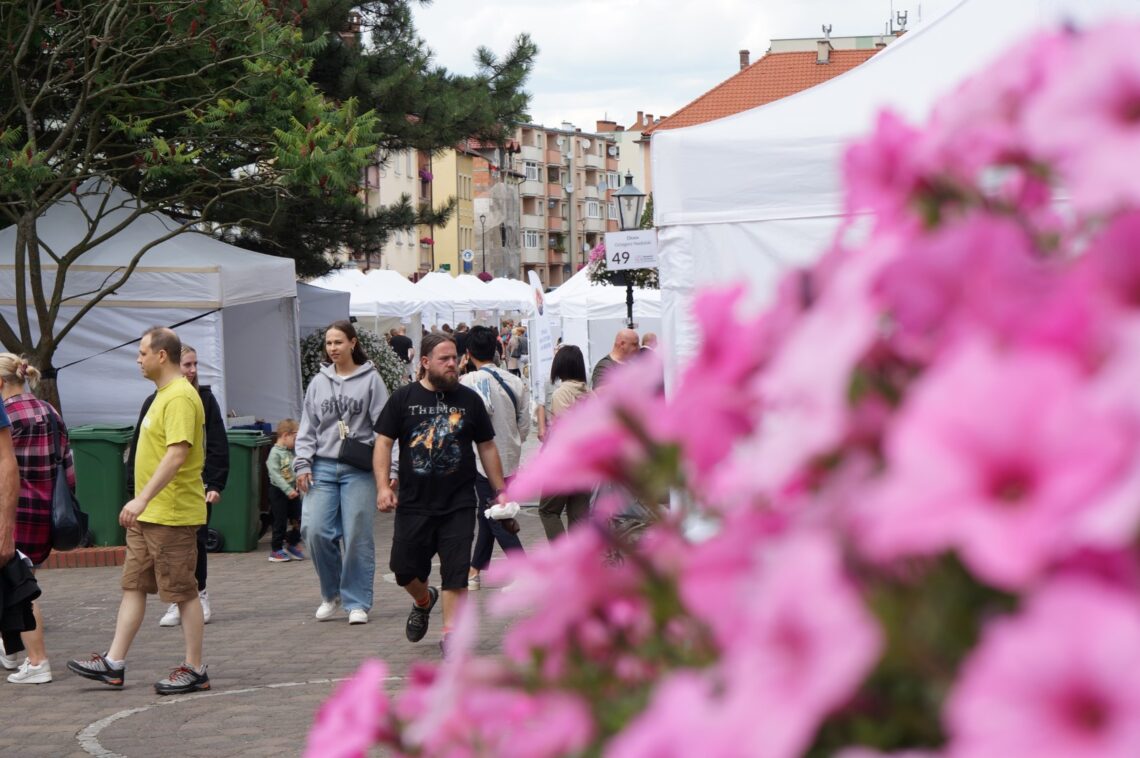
(237, 516)
(100, 453)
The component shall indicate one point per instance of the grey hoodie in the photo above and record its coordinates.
(357, 398)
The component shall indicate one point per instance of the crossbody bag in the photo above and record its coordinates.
(352, 451)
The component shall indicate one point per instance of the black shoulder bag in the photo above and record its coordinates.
(352, 451)
(506, 388)
(68, 521)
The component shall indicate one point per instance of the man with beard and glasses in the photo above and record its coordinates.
(436, 421)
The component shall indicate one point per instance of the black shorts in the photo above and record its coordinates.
(419, 536)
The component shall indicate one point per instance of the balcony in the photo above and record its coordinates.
(532, 222)
(590, 160)
(531, 153)
(595, 225)
(554, 158)
(554, 191)
(534, 255)
(532, 188)
(555, 224)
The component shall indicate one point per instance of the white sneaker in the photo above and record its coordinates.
(475, 582)
(7, 661)
(358, 616)
(327, 609)
(204, 599)
(172, 617)
(29, 674)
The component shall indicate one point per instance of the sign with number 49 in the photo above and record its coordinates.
(626, 250)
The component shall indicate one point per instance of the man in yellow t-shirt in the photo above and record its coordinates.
(162, 520)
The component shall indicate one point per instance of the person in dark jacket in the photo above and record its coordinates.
(215, 472)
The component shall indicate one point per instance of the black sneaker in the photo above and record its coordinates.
(97, 668)
(182, 680)
(417, 625)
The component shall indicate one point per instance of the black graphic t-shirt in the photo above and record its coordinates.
(436, 431)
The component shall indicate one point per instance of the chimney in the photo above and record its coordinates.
(823, 51)
(640, 118)
(744, 59)
(648, 119)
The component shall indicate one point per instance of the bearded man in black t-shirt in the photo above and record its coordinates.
(439, 423)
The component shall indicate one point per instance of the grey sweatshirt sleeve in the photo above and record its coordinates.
(306, 445)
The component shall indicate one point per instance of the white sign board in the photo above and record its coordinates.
(541, 343)
(626, 250)
(468, 255)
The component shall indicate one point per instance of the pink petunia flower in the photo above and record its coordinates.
(596, 440)
(354, 718)
(1001, 457)
(1088, 116)
(1056, 681)
(796, 640)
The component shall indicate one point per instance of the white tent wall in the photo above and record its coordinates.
(318, 307)
(96, 386)
(262, 373)
(743, 198)
(187, 276)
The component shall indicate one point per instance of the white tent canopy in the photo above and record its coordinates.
(745, 197)
(237, 308)
(589, 315)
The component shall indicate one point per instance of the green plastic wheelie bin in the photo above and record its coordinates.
(237, 516)
(100, 453)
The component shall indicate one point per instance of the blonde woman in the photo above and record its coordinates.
(33, 440)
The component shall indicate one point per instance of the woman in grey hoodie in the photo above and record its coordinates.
(343, 400)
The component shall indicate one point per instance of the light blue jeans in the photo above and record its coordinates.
(336, 525)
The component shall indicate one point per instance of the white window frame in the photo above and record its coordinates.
(613, 180)
(593, 209)
(611, 209)
(530, 239)
(531, 168)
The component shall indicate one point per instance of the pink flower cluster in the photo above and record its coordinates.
(953, 398)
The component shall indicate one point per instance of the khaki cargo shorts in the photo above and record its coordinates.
(162, 559)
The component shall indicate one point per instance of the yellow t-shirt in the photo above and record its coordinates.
(176, 415)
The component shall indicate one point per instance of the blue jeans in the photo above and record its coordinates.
(336, 525)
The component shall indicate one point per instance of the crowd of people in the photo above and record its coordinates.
(438, 452)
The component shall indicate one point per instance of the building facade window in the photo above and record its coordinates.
(530, 240)
(613, 180)
(611, 209)
(593, 209)
(532, 173)
(408, 161)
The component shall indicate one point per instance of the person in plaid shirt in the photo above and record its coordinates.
(32, 440)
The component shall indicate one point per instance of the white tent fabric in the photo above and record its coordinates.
(589, 315)
(240, 309)
(745, 197)
(318, 307)
(446, 301)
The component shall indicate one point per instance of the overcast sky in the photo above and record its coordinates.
(611, 58)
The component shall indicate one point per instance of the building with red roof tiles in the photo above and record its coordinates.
(789, 66)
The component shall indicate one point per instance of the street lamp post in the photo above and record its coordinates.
(630, 203)
(483, 223)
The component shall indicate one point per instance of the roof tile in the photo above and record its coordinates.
(774, 76)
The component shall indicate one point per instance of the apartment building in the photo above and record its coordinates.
(384, 184)
(449, 173)
(567, 180)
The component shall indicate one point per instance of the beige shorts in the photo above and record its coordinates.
(161, 559)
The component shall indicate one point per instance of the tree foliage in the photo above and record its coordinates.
(189, 105)
(370, 52)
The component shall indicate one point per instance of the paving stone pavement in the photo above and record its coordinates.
(271, 664)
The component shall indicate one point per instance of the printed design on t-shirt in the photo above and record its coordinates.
(434, 444)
